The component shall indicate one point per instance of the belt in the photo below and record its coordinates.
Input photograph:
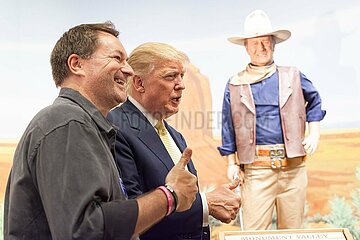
(277, 162)
(275, 151)
(274, 156)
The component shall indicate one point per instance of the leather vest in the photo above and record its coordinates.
(292, 114)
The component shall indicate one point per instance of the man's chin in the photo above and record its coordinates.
(119, 100)
(171, 112)
(122, 98)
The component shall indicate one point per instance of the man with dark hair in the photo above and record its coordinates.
(64, 183)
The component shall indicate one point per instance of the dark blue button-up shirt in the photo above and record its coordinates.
(268, 122)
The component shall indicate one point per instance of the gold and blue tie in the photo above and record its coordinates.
(168, 142)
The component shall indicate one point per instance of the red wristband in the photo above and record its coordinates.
(170, 201)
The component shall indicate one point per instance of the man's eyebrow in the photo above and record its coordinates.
(122, 55)
(171, 70)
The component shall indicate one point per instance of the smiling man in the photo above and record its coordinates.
(147, 147)
(64, 183)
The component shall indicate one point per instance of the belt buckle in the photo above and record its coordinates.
(273, 161)
(277, 154)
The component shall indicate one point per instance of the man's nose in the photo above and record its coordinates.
(180, 85)
(127, 69)
(262, 46)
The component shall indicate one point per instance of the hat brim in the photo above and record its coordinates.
(279, 36)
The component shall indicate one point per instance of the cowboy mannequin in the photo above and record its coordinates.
(265, 110)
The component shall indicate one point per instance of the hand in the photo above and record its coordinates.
(183, 182)
(311, 142)
(232, 171)
(223, 203)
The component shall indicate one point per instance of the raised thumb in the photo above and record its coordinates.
(185, 158)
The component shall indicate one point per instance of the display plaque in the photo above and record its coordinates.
(289, 234)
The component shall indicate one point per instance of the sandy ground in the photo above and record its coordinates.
(331, 171)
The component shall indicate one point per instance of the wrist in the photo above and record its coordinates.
(173, 193)
(171, 207)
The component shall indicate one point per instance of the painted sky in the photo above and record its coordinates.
(325, 45)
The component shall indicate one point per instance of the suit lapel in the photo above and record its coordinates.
(147, 133)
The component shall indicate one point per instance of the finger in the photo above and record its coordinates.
(235, 182)
(311, 150)
(232, 172)
(235, 173)
(233, 215)
(185, 158)
(307, 146)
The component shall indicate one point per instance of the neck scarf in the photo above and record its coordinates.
(253, 74)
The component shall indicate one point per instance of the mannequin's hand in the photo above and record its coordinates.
(311, 143)
(232, 170)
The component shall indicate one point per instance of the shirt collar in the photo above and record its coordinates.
(88, 107)
(146, 113)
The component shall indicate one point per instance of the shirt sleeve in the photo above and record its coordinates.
(227, 131)
(78, 183)
(205, 210)
(314, 113)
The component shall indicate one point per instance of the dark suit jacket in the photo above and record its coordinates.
(144, 164)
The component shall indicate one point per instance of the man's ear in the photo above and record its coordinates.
(138, 84)
(75, 64)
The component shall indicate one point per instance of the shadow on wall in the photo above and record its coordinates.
(337, 80)
(332, 76)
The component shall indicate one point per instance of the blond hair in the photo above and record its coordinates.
(143, 58)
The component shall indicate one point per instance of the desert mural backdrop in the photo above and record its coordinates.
(324, 45)
(331, 171)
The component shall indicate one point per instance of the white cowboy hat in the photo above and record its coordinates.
(258, 24)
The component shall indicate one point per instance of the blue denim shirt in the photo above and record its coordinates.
(268, 122)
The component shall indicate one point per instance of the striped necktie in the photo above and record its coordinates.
(168, 142)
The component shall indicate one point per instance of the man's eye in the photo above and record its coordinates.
(170, 77)
(118, 58)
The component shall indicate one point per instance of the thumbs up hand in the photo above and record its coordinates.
(183, 182)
